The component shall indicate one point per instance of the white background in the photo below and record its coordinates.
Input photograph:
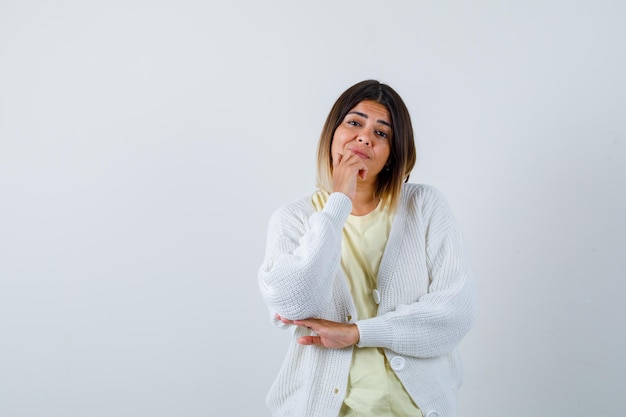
(144, 145)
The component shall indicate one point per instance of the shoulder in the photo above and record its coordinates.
(293, 213)
(418, 190)
(426, 204)
(421, 196)
(304, 204)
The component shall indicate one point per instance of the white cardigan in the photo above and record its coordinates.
(427, 302)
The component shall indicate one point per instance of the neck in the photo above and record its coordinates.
(364, 201)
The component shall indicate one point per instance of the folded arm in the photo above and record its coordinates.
(438, 320)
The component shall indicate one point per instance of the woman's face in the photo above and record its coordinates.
(366, 132)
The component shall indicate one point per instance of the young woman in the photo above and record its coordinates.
(369, 273)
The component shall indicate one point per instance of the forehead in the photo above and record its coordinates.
(372, 110)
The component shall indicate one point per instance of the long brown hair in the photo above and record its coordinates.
(402, 153)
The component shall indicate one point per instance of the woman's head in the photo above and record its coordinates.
(402, 153)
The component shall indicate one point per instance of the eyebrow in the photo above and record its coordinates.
(365, 116)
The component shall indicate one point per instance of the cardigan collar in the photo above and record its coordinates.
(394, 242)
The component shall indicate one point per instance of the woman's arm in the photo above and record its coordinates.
(436, 323)
(302, 258)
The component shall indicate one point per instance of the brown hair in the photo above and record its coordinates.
(402, 153)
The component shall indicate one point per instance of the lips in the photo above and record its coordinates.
(360, 154)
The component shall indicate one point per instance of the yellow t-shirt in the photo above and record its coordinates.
(373, 387)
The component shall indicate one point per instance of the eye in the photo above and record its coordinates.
(354, 123)
(381, 134)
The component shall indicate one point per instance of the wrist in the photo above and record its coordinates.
(356, 333)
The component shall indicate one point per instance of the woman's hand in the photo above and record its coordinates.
(346, 168)
(330, 334)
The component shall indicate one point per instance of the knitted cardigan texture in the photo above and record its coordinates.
(427, 302)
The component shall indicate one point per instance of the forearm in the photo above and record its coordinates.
(427, 328)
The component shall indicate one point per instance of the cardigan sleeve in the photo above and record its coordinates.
(302, 258)
(438, 320)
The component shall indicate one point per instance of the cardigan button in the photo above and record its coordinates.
(376, 295)
(397, 363)
(432, 413)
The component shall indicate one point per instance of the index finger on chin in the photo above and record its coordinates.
(336, 159)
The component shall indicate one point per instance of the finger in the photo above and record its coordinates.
(347, 158)
(310, 340)
(310, 324)
(284, 320)
(337, 159)
(352, 159)
(353, 165)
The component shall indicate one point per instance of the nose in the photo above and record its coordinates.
(364, 139)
